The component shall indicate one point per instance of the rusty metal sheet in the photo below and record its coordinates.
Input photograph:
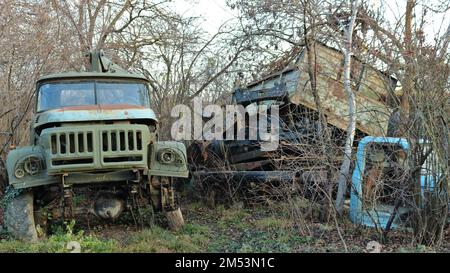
(373, 90)
(243, 97)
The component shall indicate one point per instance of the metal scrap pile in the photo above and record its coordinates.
(301, 155)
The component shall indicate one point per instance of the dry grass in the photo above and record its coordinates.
(223, 230)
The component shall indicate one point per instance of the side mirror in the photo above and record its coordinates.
(154, 87)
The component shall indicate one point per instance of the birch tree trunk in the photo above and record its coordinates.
(345, 167)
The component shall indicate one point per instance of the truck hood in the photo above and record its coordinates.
(94, 113)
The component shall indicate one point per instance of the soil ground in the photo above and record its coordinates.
(235, 229)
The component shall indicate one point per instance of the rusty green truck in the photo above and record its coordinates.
(93, 150)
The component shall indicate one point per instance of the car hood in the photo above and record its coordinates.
(93, 113)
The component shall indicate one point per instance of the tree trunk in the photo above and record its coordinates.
(345, 167)
(407, 84)
(323, 130)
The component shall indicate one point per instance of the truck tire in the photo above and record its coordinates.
(19, 217)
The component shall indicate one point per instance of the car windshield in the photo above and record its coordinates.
(65, 94)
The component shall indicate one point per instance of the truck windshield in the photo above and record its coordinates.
(65, 94)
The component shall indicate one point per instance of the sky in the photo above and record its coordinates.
(216, 12)
(436, 23)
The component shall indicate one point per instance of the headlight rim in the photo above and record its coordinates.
(29, 160)
(24, 167)
(167, 151)
(19, 172)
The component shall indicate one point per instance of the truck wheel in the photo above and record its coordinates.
(19, 217)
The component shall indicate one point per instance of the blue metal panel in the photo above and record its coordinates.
(357, 213)
(93, 115)
(380, 217)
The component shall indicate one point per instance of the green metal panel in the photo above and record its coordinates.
(15, 160)
(101, 66)
(96, 75)
(175, 169)
(84, 178)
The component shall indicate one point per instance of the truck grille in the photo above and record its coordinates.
(96, 147)
(78, 143)
(121, 140)
(121, 145)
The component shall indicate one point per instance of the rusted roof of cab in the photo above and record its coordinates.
(83, 75)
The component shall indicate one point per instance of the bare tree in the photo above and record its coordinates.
(345, 167)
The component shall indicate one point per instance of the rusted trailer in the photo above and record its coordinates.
(244, 162)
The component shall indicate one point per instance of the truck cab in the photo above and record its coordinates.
(94, 135)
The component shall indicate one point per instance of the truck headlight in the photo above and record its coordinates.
(167, 156)
(19, 173)
(32, 165)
